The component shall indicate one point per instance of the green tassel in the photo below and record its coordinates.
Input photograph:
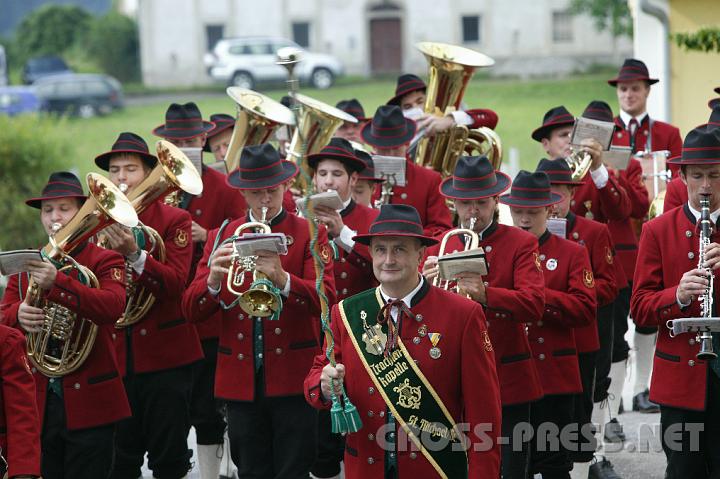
(352, 417)
(337, 417)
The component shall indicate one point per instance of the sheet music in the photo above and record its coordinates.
(586, 128)
(330, 199)
(557, 226)
(390, 168)
(12, 262)
(617, 157)
(195, 157)
(452, 264)
(249, 243)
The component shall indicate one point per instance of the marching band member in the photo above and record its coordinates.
(351, 131)
(570, 302)
(336, 168)
(511, 294)
(156, 355)
(389, 133)
(262, 362)
(594, 341)
(19, 419)
(441, 366)
(366, 183)
(184, 127)
(81, 408)
(668, 285)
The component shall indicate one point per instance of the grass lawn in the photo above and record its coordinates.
(519, 104)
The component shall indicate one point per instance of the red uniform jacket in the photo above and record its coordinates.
(353, 272)
(464, 377)
(569, 303)
(663, 136)
(514, 297)
(422, 191)
(218, 202)
(675, 194)
(483, 117)
(291, 342)
(94, 395)
(596, 238)
(19, 419)
(163, 339)
(624, 197)
(668, 248)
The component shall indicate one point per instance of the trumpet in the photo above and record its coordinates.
(469, 245)
(257, 300)
(579, 162)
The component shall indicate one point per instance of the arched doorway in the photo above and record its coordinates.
(386, 46)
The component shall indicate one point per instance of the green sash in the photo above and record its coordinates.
(406, 391)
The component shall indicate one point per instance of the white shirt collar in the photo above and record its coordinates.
(407, 299)
(268, 220)
(626, 117)
(713, 216)
(345, 204)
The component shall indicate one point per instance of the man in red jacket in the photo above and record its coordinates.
(81, 408)
(511, 295)
(668, 284)
(184, 127)
(19, 419)
(389, 133)
(158, 352)
(351, 131)
(418, 377)
(262, 360)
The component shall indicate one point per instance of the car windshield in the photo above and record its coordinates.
(47, 64)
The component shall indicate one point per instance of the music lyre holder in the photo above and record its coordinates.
(693, 325)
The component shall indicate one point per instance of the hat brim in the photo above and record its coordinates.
(289, 171)
(103, 160)
(183, 134)
(352, 162)
(366, 238)
(217, 129)
(371, 178)
(678, 160)
(37, 202)
(502, 184)
(398, 97)
(714, 103)
(568, 183)
(543, 132)
(527, 203)
(389, 142)
(615, 81)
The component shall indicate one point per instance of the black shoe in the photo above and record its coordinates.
(643, 404)
(621, 408)
(614, 432)
(602, 469)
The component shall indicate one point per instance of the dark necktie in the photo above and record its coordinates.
(633, 128)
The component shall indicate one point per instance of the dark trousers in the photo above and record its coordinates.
(603, 359)
(330, 448)
(620, 347)
(272, 437)
(584, 447)
(548, 455)
(692, 454)
(515, 448)
(80, 454)
(205, 411)
(160, 403)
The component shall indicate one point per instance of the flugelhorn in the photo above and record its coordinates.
(473, 243)
(258, 116)
(65, 341)
(579, 162)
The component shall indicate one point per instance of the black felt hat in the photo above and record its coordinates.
(61, 184)
(396, 220)
(261, 167)
(530, 190)
(474, 178)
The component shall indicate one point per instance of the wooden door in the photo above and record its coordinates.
(385, 46)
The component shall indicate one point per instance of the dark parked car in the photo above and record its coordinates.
(84, 95)
(15, 100)
(39, 67)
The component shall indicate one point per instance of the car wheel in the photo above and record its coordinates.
(243, 80)
(86, 111)
(322, 78)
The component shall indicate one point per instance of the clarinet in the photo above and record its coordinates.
(706, 300)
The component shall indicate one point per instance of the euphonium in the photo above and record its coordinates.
(258, 116)
(256, 300)
(65, 341)
(173, 172)
(706, 300)
(451, 68)
(469, 245)
(579, 162)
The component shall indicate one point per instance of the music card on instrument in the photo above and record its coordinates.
(390, 169)
(587, 128)
(250, 243)
(557, 226)
(471, 261)
(617, 157)
(330, 199)
(195, 157)
(12, 262)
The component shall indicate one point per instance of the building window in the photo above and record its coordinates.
(471, 29)
(562, 27)
(214, 33)
(301, 33)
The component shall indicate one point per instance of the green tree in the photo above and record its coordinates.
(706, 39)
(51, 29)
(113, 44)
(612, 15)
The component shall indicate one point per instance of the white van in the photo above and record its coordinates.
(3, 67)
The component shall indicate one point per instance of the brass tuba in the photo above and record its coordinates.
(451, 68)
(65, 341)
(258, 116)
(470, 245)
(257, 300)
(173, 172)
